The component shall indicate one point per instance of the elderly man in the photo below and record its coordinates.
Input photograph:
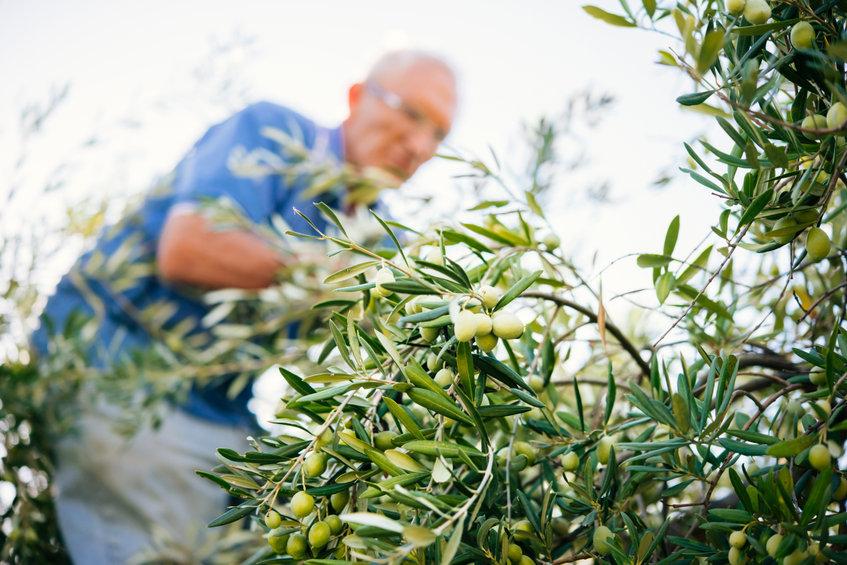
(113, 492)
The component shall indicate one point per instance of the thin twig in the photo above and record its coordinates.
(612, 328)
(732, 247)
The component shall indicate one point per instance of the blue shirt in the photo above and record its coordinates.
(204, 173)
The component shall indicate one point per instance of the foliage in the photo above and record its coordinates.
(628, 449)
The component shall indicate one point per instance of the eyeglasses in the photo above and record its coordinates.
(394, 101)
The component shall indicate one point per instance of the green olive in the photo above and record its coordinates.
(314, 465)
(757, 11)
(465, 325)
(536, 383)
(506, 325)
(335, 524)
(840, 492)
(819, 457)
(815, 121)
(324, 439)
(483, 324)
(735, 7)
(737, 539)
(515, 553)
(561, 526)
(302, 504)
(297, 546)
(273, 519)
(602, 538)
(785, 229)
(836, 116)
(433, 363)
(339, 500)
(818, 244)
(818, 378)
(735, 557)
(490, 296)
(278, 543)
(604, 448)
(522, 529)
(383, 276)
(525, 449)
(487, 342)
(319, 534)
(429, 334)
(795, 557)
(382, 440)
(570, 461)
(444, 377)
(802, 35)
(773, 544)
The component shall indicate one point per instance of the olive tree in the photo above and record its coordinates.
(475, 403)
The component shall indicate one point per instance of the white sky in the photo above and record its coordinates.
(517, 61)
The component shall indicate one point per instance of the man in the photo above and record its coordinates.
(112, 492)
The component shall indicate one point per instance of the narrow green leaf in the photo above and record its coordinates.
(329, 214)
(296, 382)
(695, 98)
(664, 285)
(755, 207)
(611, 392)
(731, 515)
(403, 418)
(649, 7)
(517, 289)
(791, 447)
(434, 448)
(464, 365)
(651, 260)
(501, 410)
(231, 515)
(424, 316)
(393, 237)
(578, 398)
(528, 398)
(607, 17)
(421, 379)
(500, 372)
(709, 50)
(350, 272)
(438, 403)
(742, 447)
(370, 519)
(819, 497)
(671, 236)
(697, 266)
(763, 28)
(453, 545)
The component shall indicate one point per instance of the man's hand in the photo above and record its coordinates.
(191, 252)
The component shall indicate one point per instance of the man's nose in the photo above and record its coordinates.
(421, 143)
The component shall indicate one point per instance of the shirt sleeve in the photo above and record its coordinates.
(206, 171)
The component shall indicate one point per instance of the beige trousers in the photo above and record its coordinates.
(120, 497)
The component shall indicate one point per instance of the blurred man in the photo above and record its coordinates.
(113, 492)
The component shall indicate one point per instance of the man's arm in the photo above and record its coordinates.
(191, 252)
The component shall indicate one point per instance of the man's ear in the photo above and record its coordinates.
(354, 95)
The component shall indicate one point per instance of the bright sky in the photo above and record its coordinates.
(154, 63)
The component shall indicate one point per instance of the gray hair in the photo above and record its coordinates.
(401, 60)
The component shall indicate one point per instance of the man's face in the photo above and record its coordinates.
(397, 121)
